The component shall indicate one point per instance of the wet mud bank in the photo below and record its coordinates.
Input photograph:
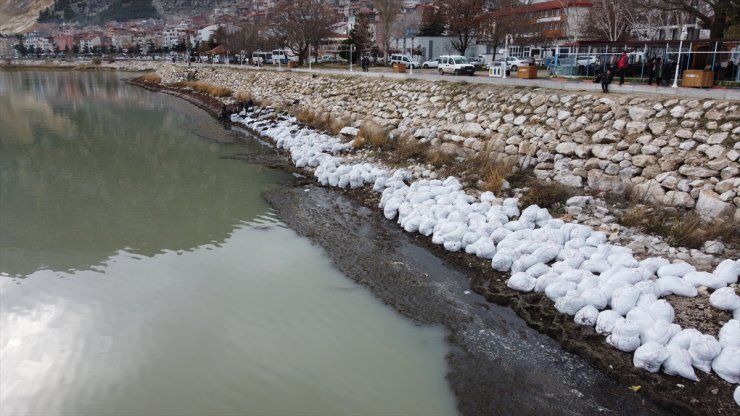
(498, 365)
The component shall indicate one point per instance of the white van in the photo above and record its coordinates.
(455, 64)
(397, 58)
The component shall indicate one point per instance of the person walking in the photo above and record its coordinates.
(622, 65)
(658, 72)
(651, 71)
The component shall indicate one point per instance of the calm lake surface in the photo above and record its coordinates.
(142, 274)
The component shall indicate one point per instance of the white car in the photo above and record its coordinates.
(455, 64)
(403, 59)
(432, 63)
(513, 63)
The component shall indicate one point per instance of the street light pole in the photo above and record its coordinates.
(506, 50)
(351, 47)
(678, 60)
(309, 57)
(411, 71)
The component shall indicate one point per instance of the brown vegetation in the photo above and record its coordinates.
(204, 88)
(681, 229)
(547, 195)
(150, 77)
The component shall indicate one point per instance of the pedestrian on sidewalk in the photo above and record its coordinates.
(622, 65)
(658, 72)
(606, 79)
(651, 71)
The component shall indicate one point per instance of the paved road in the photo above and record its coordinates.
(557, 84)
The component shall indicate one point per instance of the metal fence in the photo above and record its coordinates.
(720, 56)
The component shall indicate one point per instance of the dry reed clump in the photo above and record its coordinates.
(438, 158)
(682, 229)
(408, 148)
(204, 88)
(547, 195)
(337, 124)
(375, 134)
(242, 96)
(150, 77)
(492, 174)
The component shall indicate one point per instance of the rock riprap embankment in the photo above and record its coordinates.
(672, 152)
(602, 285)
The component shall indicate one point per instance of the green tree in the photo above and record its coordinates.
(360, 35)
(433, 21)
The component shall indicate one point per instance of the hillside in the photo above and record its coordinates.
(19, 15)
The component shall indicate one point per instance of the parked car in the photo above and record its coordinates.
(478, 61)
(328, 59)
(397, 58)
(432, 63)
(586, 60)
(455, 64)
(513, 63)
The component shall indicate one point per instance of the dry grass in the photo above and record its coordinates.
(376, 135)
(491, 173)
(150, 77)
(438, 158)
(682, 229)
(359, 142)
(204, 88)
(408, 148)
(549, 195)
(337, 124)
(242, 96)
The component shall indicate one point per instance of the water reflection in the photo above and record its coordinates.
(90, 165)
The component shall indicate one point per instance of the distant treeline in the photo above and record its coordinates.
(84, 12)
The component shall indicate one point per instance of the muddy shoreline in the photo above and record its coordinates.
(472, 378)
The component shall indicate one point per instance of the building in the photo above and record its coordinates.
(7, 47)
(543, 28)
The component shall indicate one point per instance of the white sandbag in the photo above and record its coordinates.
(725, 299)
(503, 259)
(709, 280)
(729, 334)
(650, 356)
(661, 309)
(736, 395)
(642, 317)
(678, 363)
(596, 238)
(573, 275)
(594, 266)
(485, 248)
(624, 299)
(654, 263)
(606, 321)
(588, 282)
(727, 364)
(587, 315)
(595, 298)
(538, 270)
(646, 299)
(625, 336)
(547, 253)
(661, 332)
(648, 286)
(570, 303)
(728, 270)
(736, 314)
(521, 281)
(559, 289)
(499, 234)
(622, 259)
(679, 269)
(703, 350)
(523, 263)
(684, 337)
(545, 280)
(672, 285)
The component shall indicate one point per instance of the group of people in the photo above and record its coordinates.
(657, 70)
(228, 110)
(365, 62)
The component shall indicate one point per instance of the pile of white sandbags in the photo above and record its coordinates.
(600, 284)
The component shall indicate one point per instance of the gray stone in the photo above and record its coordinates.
(684, 133)
(568, 179)
(713, 152)
(649, 192)
(563, 115)
(687, 145)
(696, 171)
(709, 205)
(678, 199)
(579, 201)
(601, 150)
(657, 127)
(639, 113)
(678, 111)
(634, 127)
(714, 247)
(717, 138)
(643, 160)
(600, 181)
(733, 155)
(472, 130)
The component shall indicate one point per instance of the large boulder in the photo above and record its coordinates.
(709, 205)
(600, 181)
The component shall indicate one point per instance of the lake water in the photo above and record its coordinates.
(142, 274)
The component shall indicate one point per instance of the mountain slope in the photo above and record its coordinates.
(19, 15)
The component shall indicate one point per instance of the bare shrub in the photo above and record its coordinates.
(242, 96)
(548, 195)
(437, 158)
(150, 77)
